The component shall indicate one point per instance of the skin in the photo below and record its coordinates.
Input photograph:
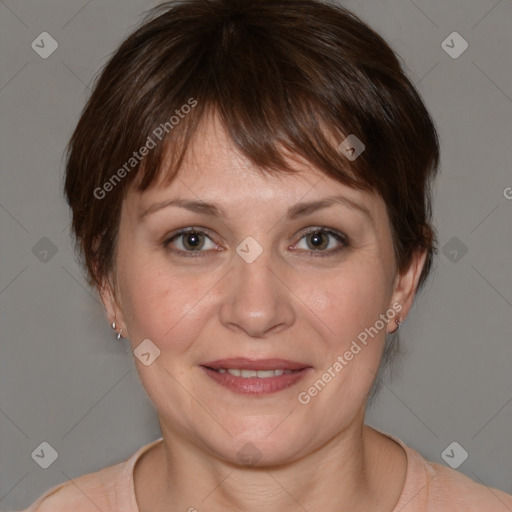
(287, 304)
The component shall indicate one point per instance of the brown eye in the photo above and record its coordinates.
(323, 241)
(189, 241)
(317, 240)
(193, 240)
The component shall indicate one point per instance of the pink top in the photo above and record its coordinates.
(429, 487)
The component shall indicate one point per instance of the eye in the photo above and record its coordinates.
(193, 242)
(318, 242)
(189, 241)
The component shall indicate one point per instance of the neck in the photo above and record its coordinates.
(350, 472)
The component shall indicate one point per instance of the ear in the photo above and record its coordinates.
(113, 310)
(406, 285)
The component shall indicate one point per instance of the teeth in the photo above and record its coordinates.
(260, 374)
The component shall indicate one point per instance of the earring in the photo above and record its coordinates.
(118, 334)
(399, 323)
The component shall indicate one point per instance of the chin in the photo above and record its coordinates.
(256, 445)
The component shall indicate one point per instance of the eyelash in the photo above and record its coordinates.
(340, 237)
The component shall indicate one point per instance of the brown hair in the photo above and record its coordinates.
(288, 76)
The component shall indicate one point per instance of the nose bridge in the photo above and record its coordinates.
(256, 300)
(253, 274)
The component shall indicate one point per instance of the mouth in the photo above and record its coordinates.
(255, 377)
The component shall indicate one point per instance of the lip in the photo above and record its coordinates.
(255, 385)
(256, 364)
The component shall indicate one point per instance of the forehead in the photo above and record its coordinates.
(214, 170)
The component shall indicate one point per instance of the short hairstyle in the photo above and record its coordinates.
(288, 77)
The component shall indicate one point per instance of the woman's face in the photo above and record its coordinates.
(247, 284)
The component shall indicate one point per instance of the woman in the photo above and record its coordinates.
(250, 187)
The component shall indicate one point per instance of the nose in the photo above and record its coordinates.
(257, 299)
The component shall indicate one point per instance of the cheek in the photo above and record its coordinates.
(349, 305)
(162, 306)
(349, 299)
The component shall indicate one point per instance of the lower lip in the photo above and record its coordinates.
(255, 385)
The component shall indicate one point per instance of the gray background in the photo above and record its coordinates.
(63, 377)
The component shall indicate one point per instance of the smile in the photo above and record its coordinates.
(245, 381)
(246, 374)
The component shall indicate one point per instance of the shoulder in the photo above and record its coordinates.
(110, 489)
(87, 493)
(449, 488)
(64, 497)
(433, 487)
(83, 494)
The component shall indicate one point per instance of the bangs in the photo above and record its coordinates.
(270, 138)
(270, 143)
(270, 98)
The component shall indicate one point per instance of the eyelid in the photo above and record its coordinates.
(324, 229)
(168, 239)
(338, 235)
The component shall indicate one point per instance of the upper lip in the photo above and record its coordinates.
(255, 364)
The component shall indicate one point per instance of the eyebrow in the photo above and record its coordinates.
(296, 211)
